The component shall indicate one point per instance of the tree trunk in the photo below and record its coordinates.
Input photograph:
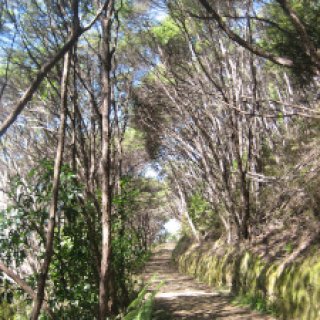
(48, 66)
(55, 193)
(184, 210)
(106, 57)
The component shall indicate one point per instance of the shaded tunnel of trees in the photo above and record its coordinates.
(118, 115)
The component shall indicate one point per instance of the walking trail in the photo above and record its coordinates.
(182, 297)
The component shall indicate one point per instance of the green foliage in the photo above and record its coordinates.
(235, 165)
(133, 140)
(201, 213)
(159, 73)
(71, 292)
(130, 247)
(256, 303)
(288, 248)
(287, 42)
(272, 91)
(7, 312)
(13, 304)
(141, 307)
(135, 195)
(26, 218)
(291, 292)
(73, 277)
(197, 206)
(130, 8)
(167, 31)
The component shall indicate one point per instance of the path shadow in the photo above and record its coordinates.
(182, 297)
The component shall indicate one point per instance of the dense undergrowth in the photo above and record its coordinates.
(73, 285)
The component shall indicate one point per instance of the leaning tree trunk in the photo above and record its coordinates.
(184, 210)
(55, 193)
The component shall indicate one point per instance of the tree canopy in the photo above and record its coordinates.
(219, 98)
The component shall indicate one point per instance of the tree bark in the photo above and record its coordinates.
(105, 165)
(55, 193)
(184, 210)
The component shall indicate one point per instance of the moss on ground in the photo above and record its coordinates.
(293, 292)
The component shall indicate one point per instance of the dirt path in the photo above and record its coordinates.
(182, 297)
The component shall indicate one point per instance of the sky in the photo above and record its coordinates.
(173, 226)
(150, 172)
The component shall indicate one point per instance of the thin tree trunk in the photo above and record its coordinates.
(55, 193)
(74, 113)
(46, 68)
(184, 210)
(106, 56)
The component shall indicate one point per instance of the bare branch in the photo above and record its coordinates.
(283, 61)
(45, 69)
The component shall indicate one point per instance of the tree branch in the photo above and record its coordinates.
(44, 70)
(283, 61)
(310, 48)
(24, 286)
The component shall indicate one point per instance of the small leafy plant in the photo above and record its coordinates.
(141, 307)
(256, 303)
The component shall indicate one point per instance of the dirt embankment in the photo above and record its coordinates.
(286, 277)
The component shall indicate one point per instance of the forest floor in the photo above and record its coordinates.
(182, 297)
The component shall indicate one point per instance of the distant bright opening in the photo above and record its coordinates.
(150, 172)
(173, 226)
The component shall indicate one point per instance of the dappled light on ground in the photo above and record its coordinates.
(182, 297)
